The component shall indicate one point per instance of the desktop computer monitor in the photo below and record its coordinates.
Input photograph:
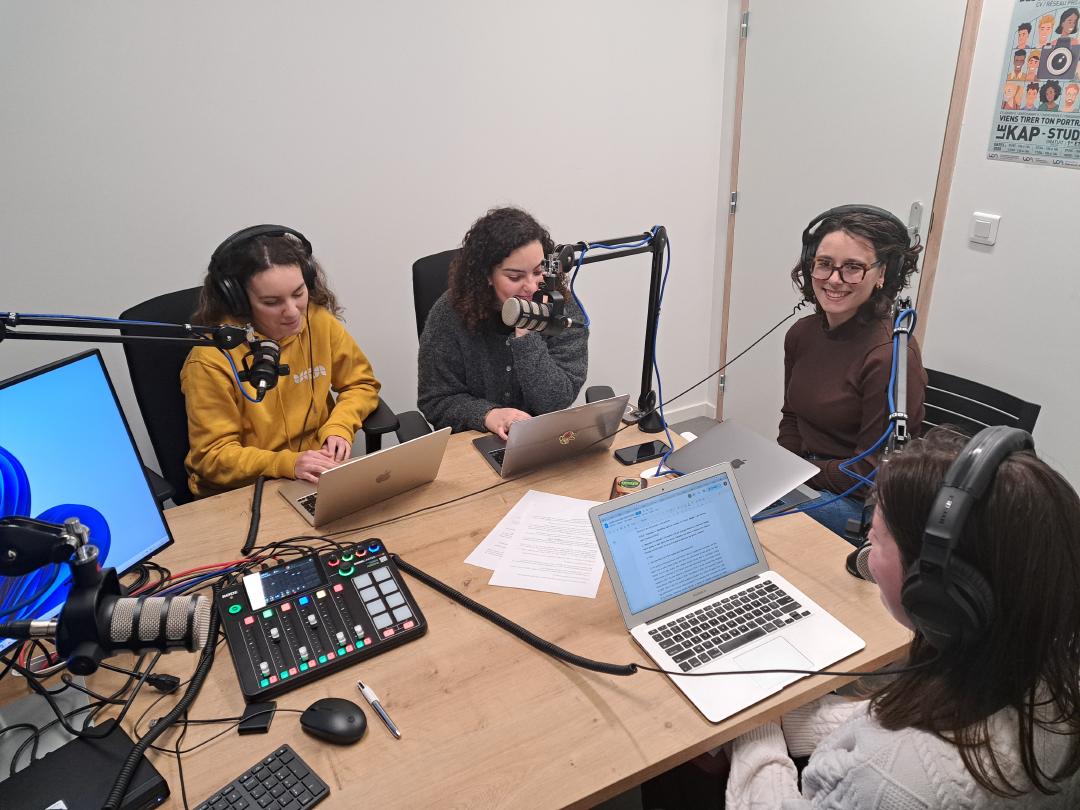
(66, 451)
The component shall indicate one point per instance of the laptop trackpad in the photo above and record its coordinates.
(777, 654)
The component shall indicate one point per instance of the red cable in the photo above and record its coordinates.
(181, 574)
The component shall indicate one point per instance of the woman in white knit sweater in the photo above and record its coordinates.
(995, 723)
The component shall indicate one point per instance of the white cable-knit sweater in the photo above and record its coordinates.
(858, 765)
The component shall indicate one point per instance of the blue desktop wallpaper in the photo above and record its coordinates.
(65, 452)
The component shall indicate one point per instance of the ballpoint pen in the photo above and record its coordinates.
(373, 699)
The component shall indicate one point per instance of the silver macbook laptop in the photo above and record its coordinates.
(769, 475)
(368, 479)
(553, 436)
(697, 595)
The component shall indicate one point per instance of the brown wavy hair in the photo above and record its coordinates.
(488, 242)
(1023, 536)
(891, 246)
(253, 256)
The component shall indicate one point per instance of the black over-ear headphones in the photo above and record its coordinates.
(810, 242)
(948, 600)
(231, 290)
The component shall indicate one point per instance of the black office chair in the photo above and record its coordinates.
(963, 404)
(431, 278)
(971, 406)
(155, 376)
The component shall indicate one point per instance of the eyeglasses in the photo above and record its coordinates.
(851, 272)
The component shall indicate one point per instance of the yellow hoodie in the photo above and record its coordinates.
(234, 441)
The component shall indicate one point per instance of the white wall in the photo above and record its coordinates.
(1005, 315)
(136, 136)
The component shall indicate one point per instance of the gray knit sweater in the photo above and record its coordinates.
(462, 375)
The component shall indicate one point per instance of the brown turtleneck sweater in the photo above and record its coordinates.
(835, 393)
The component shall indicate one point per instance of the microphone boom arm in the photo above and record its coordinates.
(649, 420)
(224, 336)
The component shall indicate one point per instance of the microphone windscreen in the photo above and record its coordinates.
(511, 311)
(163, 622)
(862, 563)
(530, 315)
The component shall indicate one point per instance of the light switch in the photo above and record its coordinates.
(984, 228)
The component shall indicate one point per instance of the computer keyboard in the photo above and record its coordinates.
(281, 781)
(498, 454)
(697, 637)
(308, 502)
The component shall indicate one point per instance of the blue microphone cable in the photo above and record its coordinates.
(845, 466)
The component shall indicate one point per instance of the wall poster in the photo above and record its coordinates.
(1037, 114)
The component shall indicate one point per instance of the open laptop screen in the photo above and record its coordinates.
(66, 451)
(668, 545)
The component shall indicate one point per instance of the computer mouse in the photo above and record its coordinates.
(335, 720)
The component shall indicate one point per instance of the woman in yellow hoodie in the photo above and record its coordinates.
(265, 276)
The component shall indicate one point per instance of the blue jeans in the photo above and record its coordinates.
(835, 515)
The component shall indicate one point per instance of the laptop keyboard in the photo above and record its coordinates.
(308, 502)
(498, 454)
(698, 637)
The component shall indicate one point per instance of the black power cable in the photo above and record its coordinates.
(543, 645)
(256, 510)
(555, 651)
(206, 660)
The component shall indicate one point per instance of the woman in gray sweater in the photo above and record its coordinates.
(993, 722)
(474, 372)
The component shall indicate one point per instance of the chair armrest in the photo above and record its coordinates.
(413, 426)
(162, 489)
(594, 393)
(381, 420)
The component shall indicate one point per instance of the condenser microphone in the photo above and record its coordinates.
(535, 316)
(263, 371)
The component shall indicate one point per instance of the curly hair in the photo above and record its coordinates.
(891, 245)
(251, 257)
(488, 242)
(1022, 536)
(1045, 91)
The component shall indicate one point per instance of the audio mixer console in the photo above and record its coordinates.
(291, 624)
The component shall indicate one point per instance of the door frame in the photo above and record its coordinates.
(942, 188)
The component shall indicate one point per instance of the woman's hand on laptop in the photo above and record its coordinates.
(312, 463)
(499, 420)
(337, 448)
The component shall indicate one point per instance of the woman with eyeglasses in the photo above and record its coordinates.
(837, 362)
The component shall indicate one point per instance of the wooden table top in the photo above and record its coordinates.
(486, 720)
